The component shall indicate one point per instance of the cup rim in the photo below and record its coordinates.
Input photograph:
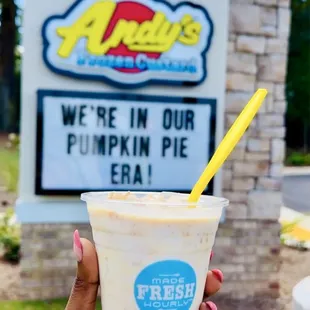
(207, 201)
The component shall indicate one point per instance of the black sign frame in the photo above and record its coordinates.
(39, 190)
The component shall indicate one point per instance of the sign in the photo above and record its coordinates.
(97, 53)
(99, 141)
(130, 43)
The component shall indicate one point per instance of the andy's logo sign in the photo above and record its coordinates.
(129, 42)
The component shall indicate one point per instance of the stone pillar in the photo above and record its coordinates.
(248, 245)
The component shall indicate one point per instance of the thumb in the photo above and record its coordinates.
(85, 288)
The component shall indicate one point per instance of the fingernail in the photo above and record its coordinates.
(212, 254)
(77, 246)
(218, 274)
(211, 306)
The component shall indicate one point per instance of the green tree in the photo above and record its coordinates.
(8, 42)
(298, 74)
(10, 21)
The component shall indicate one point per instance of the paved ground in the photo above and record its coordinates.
(295, 266)
(3, 138)
(9, 281)
(296, 192)
(296, 198)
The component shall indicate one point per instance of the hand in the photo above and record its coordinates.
(85, 288)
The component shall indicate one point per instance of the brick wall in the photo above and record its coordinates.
(48, 265)
(246, 251)
(247, 246)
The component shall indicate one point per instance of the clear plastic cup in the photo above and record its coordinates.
(153, 248)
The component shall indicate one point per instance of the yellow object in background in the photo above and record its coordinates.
(295, 225)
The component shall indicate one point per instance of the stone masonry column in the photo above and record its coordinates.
(248, 246)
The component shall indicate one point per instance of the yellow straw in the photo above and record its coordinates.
(228, 143)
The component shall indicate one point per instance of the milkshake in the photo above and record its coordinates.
(153, 248)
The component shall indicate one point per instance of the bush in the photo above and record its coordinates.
(298, 159)
(10, 237)
(14, 141)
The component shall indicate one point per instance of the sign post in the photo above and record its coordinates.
(118, 95)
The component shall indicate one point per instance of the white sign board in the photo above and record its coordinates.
(148, 54)
(112, 142)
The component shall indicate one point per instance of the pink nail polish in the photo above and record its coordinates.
(212, 254)
(77, 246)
(211, 305)
(218, 274)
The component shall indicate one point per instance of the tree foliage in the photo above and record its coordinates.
(8, 41)
(10, 22)
(298, 74)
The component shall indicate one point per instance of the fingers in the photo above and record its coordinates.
(84, 292)
(214, 282)
(213, 285)
(209, 305)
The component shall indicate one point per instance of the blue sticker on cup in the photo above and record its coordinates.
(169, 285)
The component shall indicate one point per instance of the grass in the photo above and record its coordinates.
(9, 168)
(29, 305)
(59, 304)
